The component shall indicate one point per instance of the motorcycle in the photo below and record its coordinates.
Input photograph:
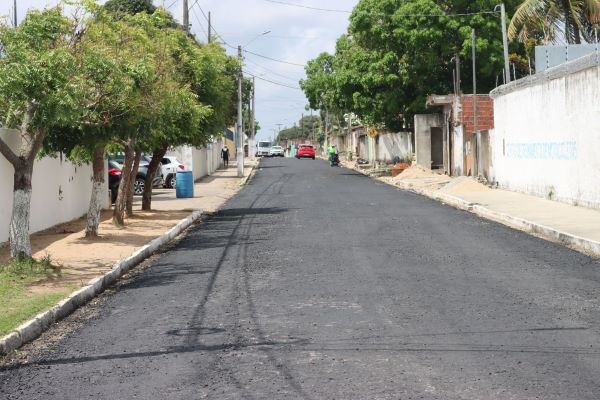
(335, 162)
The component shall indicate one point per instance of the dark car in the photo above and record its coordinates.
(114, 174)
(305, 151)
(114, 178)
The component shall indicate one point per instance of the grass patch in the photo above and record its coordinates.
(17, 303)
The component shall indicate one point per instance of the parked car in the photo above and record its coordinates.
(140, 179)
(169, 165)
(263, 149)
(276, 151)
(305, 151)
(114, 178)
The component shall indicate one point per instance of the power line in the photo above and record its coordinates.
(379, 14)
(274, 59)
(172, 4)
(272, 72)
(273, 82)
(213, 27)
(198, 20)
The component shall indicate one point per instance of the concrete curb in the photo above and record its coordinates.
(33, 328)
(586, 246)
(250, 174)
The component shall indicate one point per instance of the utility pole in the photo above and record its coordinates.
(252, 125)
(15, 12)
(209, 27)
(457, 61)
(505, 43)
(302, 126)
(239, 133)
(186, 16)
(475, 131)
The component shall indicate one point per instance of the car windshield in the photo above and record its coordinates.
(276, 147)
(264, 144)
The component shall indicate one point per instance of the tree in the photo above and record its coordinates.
(104, 66)
(397, 52)
(575, 19)
(39, 88)
(129, 7)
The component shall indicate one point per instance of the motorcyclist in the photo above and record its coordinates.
(333, 154)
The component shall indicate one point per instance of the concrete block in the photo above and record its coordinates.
(46, 318)
(97, 283)
(82, 296)
(10, 342)
(64, 308)
(29, 331)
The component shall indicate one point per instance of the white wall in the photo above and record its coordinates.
(61, 190)
(458, 151)
(201, 161)
(547, 137)
(394, 144)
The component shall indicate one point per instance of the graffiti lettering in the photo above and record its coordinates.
(542, 151)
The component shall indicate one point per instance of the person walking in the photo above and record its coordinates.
(225, 156)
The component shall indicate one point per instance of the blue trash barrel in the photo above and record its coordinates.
(185, 185)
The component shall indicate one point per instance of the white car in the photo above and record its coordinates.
(263, 149)
(169, 166)
(276, 151)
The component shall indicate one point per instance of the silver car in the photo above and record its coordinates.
(276, 151)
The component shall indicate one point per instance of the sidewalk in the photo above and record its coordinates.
(83, 259)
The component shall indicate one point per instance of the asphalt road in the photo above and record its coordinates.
(319, 283)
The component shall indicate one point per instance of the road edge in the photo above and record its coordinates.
(586, 246)
(250, 175)
(32, 329)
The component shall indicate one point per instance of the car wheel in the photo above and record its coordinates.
(173, 181)
(313, 158)
(138, 186)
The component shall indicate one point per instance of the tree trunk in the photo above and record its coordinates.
(132, 179)
(20, 244)
(98, 184)
(157, 156)
(120, 203)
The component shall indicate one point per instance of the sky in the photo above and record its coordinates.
(296, 35)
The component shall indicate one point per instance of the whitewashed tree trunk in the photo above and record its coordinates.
(20, 244)
(98, 183)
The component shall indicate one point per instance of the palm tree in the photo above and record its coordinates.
(543, 19)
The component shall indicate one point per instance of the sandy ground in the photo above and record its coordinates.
(83, 259)
(418, 177)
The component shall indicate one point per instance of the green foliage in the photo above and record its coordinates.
(37, 71)
(307, 127)
(397, 52)
(548, 21)
(129, 7)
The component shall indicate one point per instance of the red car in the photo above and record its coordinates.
(305, 151)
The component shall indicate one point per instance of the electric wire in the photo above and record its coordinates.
(199, 22)
(171, 5)
(273, 59)
(380, 14)
(271, 81)
(271, 71)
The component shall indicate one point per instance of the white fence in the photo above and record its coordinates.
(61, 190)
(202, 161)
(547, 134)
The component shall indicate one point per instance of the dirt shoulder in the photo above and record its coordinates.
(83, 259)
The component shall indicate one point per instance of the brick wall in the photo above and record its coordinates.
(485, 113)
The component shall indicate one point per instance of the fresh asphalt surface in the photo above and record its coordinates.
(319, 283)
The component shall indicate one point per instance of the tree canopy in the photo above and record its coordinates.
(397, 52)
